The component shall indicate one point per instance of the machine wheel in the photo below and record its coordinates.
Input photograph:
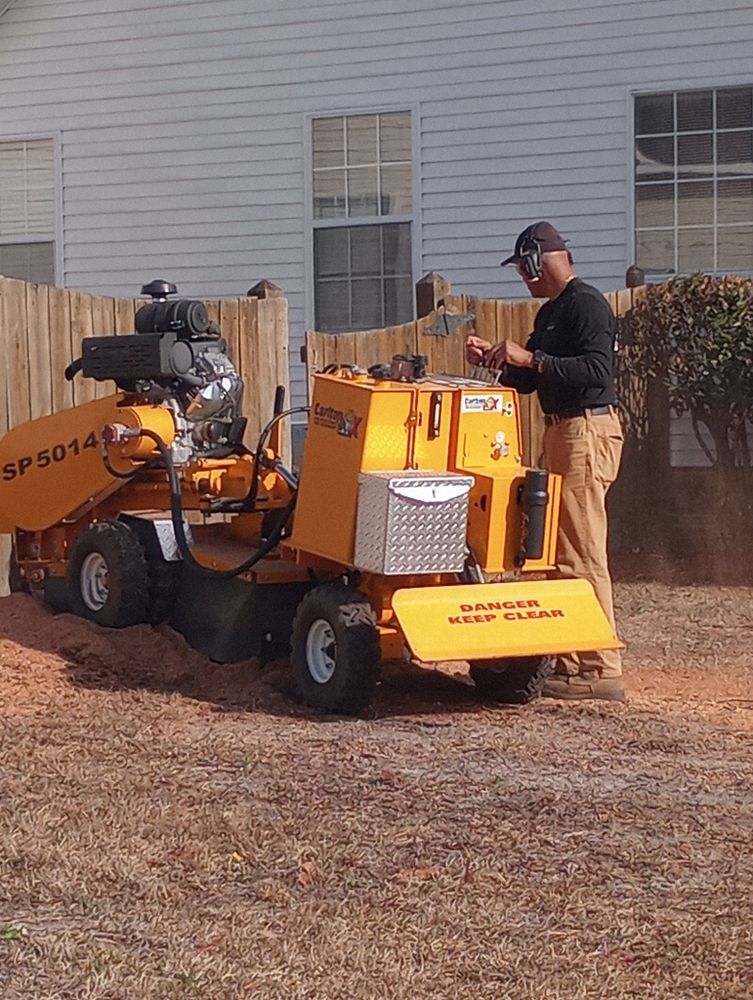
(335, 649)
(514, 681)
(108, 577)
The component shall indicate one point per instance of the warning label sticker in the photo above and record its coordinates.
(510, 611)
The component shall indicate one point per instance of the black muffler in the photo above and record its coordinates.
(534, 497)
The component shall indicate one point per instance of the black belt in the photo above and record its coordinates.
(580, 411)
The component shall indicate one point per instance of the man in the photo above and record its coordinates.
(569, 361)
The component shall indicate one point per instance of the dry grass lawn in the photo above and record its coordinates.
(173, 829)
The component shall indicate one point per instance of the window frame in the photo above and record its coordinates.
(659, 89)
(57, 241)
(312, 223)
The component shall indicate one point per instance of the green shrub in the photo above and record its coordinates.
(696, 334)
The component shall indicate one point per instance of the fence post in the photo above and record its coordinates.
(430, 290)
(272, 355)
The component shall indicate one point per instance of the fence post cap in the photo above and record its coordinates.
(265, 290)
(634, 276)
(433, 278)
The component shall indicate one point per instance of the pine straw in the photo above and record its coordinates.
(173, 829)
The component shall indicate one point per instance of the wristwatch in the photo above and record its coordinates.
(538, 361)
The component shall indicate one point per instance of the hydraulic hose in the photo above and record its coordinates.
(287, 476)
(176, 516)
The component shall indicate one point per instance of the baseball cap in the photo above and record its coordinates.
(544, 234)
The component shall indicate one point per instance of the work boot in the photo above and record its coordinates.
(576, 687)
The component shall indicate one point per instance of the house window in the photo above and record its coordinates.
(362, 218)
(27, 210)
(694, 181)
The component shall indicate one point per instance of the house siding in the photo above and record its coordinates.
(181, 126)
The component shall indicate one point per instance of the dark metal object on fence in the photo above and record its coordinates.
(448, 323)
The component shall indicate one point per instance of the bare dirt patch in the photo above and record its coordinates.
(172, 828)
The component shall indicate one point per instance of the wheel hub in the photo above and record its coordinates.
(95, 588)
(321, 651)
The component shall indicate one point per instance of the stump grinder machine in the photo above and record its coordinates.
(412, 530)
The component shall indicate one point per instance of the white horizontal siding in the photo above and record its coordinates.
(133, 225)
(181, 124)
(224, 59)
(176, 22)
(684, 449)
(332, 82)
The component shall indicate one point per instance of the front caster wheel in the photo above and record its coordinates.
(335, 649)
(514, 681)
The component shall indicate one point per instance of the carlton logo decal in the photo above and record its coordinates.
(510, 611)
(345, 423)
(486, 403)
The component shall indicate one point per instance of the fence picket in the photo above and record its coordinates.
(61, 349)
(125, 316)
(213, 310)
(279, 361)
(266, 378)
(82, 325)
(230, 327)
(486, 320)
(441, 350)
(249, 364)
(5, 374)
(103, 325)
(39, 350)
(17, 357)
(380, 348)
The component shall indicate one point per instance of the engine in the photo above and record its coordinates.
(176, 358)
(208, 416)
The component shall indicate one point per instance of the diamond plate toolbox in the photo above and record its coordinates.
(411, 521)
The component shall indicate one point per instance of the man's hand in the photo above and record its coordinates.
(508, 352)
(476, 349)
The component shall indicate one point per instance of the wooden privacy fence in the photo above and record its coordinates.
(41, 330)
(493, 319)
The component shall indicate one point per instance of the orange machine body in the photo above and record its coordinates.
(364, 425)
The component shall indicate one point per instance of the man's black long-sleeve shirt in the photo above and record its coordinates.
(576, 331)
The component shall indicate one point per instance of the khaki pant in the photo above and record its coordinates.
(586, 452)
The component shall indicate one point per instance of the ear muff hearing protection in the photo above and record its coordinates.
(529, 258)
(529, 255)
(530, 247)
